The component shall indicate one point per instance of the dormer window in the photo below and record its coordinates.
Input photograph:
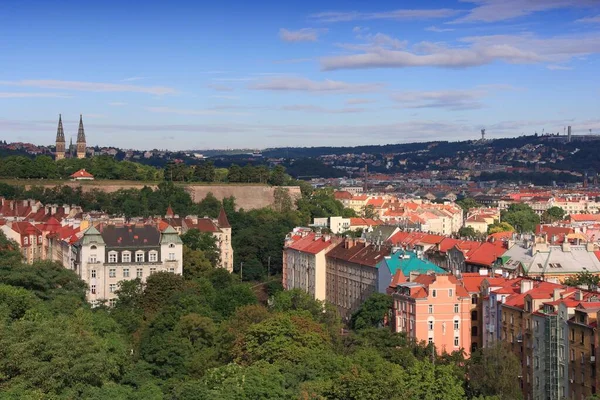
(112, 257)
(139, 256)
(153, 256)
(172, 245)
(126, 256)
(93, 247)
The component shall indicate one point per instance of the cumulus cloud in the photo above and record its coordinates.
(89, 86)
(345, 16)
(324, 110)
(299, 84)
(474, 51)
(301, 35)
(500, 10)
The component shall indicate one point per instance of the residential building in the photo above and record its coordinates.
(304, 264)
(109, 254)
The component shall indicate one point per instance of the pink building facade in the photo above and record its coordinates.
(434, 309)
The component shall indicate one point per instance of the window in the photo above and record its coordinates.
(139, 273)
(172, 245)
(40, 239)
(125, 272)
(582, 337)
(456, 324)
(450, 293)
(473, 331)
(126, 256)
(25, 240)
(112, 273)
(112, 257)
(93, 259)
(572, 355)
(171, 256)
(434, 293)
(153, 256)
(172, 270)
(152, 270)
(455, 341)
(456, 309)
(139, 257)
(430, 309)
(112, 287)
(474, 315)
(474, 299)
(430, 340)
(93, 289)
(112, 302)
(33, 240)
(93, 273)
(93, 247)
(430, 325)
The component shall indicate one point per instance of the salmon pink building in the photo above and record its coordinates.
(434, 309)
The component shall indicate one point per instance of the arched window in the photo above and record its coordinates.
(474, 315)
(93, 247)
(172, 245)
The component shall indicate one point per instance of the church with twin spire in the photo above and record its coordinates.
(77, 151)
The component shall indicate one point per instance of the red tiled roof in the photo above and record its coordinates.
(485, 254)
(342, 195)
(311, 244)
(585, 217)
(375, 202)
(82, 173)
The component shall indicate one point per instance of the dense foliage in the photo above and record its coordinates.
(521, 216)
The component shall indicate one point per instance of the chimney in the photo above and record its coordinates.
(25, 203)
(526, 285)
(566, 246)
(46, 210)
(67, 209)
(349, 242)
(590, 246)
(556, 294)
(53, 208)
(578, 295)
(34, 207)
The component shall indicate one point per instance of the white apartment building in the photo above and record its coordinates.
(111, 253)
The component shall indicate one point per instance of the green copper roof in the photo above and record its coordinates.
(91, 235)
(408, 262)
(170, 235)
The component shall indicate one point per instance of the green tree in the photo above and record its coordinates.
(498, 227)
(368, 211)
(467, 203)
(493, 372)
(553, 214)
(234, 174)
(278, 176)
(205, 172)
(469, 232)
(372, 312)
(583, 278)
(195, 264)
(521, 216)
(203, 241)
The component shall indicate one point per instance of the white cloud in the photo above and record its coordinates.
(453, 100)
(89, 86)
(359, 101)
(318, 109)
(553, 67)
(301, 35)
(177, 111)
(26, 95)
(500, 10)
(383, 40)
(306, 85)
(343, 16)
(474, 51)
(590, 20)
(133, 78)
(438, 30)
(219, 88)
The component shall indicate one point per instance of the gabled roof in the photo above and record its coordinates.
(311, 244)
(82, 173)
(222, 220)
(342, 195)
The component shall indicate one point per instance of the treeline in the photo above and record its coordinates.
(102, 167)
(204, 335)
(536, 178)
(207, 172)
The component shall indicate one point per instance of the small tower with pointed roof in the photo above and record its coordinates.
(81, 149)
(225, 241)
(59, 154)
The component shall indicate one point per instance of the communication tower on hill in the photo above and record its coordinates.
(483, 134)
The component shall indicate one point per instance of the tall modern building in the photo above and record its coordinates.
(60, 140)
(81, 139)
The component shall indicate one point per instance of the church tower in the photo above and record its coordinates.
(80, 139)
(60, 140)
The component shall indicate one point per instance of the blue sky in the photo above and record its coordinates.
(231, 74)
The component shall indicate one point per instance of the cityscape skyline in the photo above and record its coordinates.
(189, 76)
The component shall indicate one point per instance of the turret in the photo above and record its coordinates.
(81, 139)
(60, 140)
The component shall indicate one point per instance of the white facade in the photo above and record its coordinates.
(103, 266)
